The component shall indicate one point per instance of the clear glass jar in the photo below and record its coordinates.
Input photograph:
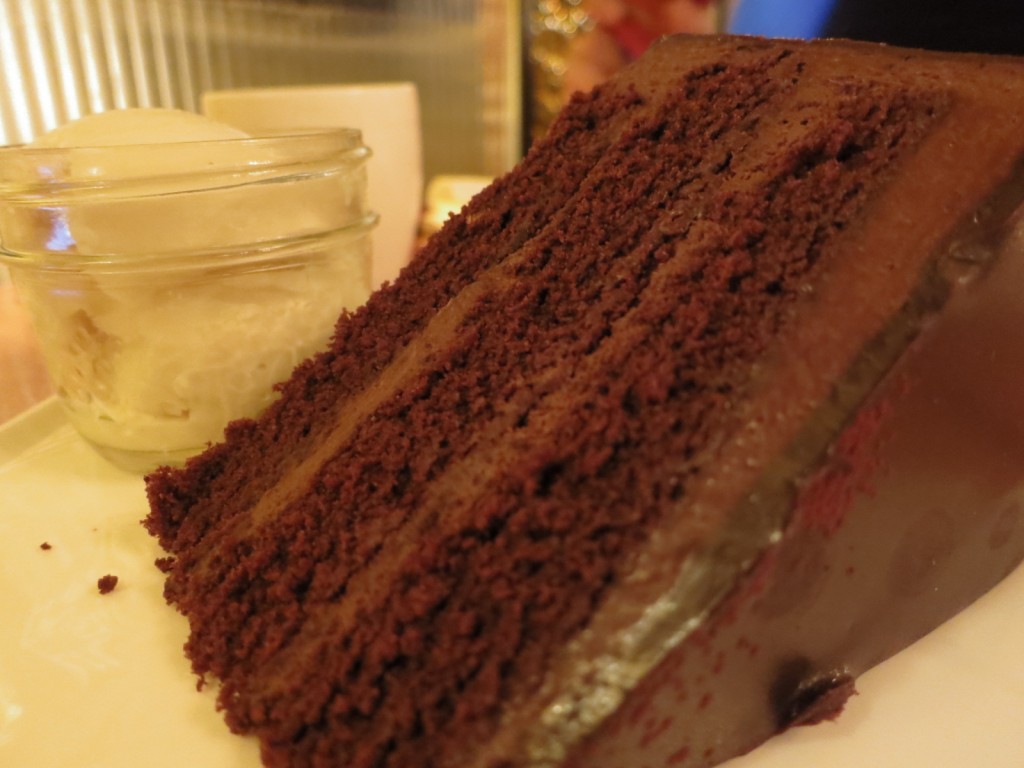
(172, 285)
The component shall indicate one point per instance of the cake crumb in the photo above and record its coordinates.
(46, 545)
(106, 584)
(164, 564)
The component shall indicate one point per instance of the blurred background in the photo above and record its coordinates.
(60, 59)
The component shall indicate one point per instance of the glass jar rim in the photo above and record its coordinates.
(28, 170)
(350, 136)
(174, 261)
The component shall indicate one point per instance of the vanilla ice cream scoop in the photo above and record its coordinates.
(142, 125)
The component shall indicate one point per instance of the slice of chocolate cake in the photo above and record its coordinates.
(701, 411)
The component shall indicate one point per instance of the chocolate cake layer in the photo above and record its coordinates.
(559, 459)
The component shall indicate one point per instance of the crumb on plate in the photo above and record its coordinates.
(106, 584)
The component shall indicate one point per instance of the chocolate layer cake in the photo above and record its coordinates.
(705, 408)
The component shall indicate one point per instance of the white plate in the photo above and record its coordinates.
(90, 680)
(100, 681)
